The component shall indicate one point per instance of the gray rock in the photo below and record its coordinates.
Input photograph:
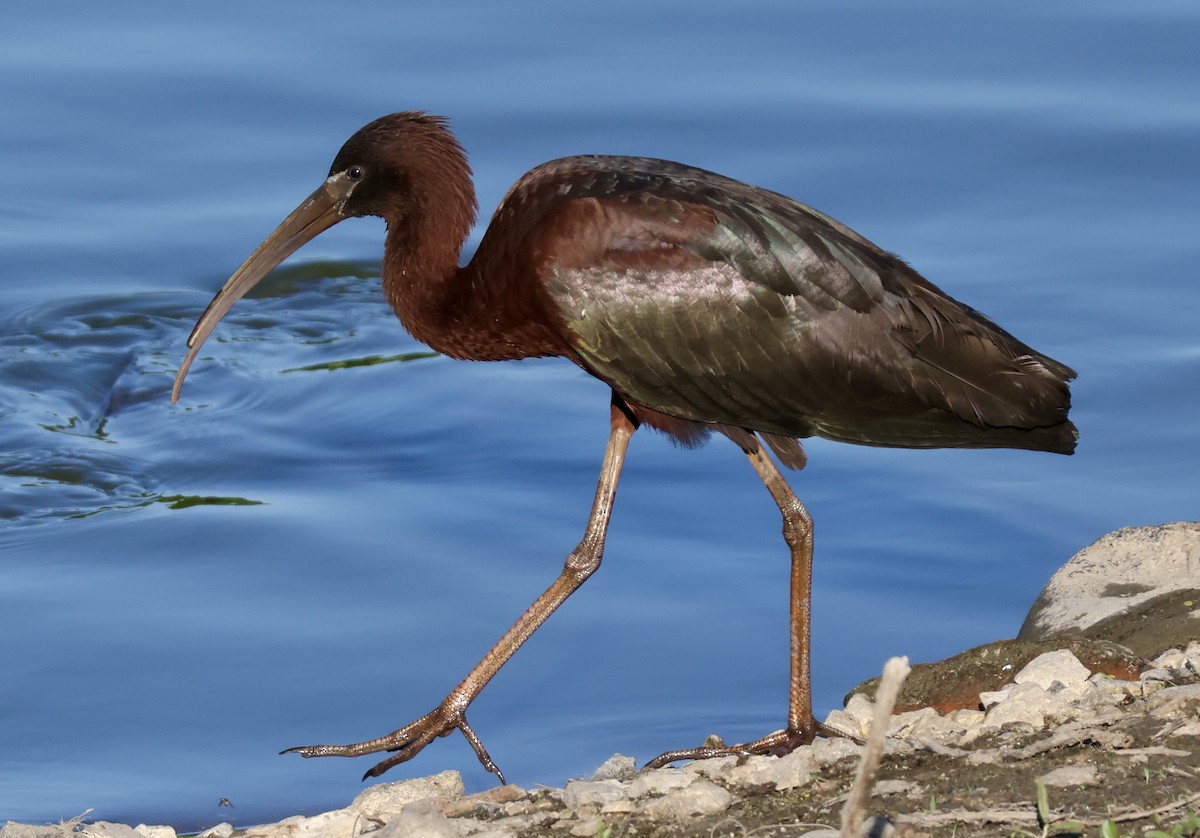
(1121, 572)
(660, 780)
(387, 799)
(616, 767)
(421, 818)
(1192, 655)
(1163, 675)
(588, 827)
(905, 787)
(703, 797)
(12, 829)
(1072, 775)
(876, 827)
(581, 793)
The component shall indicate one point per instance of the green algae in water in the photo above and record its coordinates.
(186, 501)
(368, 361)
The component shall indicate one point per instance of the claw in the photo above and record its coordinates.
(407, 742)
(779, 743)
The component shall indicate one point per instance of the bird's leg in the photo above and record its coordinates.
(409, 740)
(798, 533)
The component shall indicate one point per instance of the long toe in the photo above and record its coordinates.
(779, 743)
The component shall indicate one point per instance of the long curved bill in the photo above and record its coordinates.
(319, 211)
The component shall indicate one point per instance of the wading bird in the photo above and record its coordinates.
(705, 304)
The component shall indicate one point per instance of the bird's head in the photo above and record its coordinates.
(405, 167)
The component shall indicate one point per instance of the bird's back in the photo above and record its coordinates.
(709, 300)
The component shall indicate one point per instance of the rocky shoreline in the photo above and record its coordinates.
(1058, 735)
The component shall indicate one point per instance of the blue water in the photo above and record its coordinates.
(1039, 162)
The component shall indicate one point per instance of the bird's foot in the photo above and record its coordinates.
(408, 741)
(778, 744)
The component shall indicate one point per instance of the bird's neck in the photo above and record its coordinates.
(489, 310)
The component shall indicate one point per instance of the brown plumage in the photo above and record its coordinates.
(705, 303)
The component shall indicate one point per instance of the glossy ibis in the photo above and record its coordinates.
(705, 304)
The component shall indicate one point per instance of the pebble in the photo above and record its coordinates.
(1052, 688)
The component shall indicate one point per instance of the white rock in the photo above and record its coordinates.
(829, 750)
(715, 768)
(855, 719)
(862, 710)
(1058, 673)
(843, 722)
(104, 829)
(912, 722)
(221, 830)
(1162, 675)
(1072, 775)
(966, 719)
(660, 780)
(580, 793)
(950, 727)
(1170, 659)
(588, 827)
(1026, 703)
(386, 799)
(1114, 691)
(1171, 701)
(989, 699)
(154, 831)
(1114, 575)
(617, 807)
(789, 771)
(702, 797)
(421, 817)
(339, 821)
(1189, 729)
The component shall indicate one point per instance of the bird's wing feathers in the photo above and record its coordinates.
(710, 300)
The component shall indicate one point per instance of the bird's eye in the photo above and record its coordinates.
(356, 173)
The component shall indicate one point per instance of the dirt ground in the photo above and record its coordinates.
(1135, 774)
